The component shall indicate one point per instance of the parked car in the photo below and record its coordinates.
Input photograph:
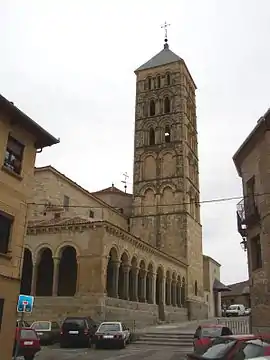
(235, 310)
(26, 343)
(22, 324)
(235, 347)
(77, 331)
(112, 334)
(47, 331)
(206, 333)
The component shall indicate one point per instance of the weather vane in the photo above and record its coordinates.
(125, 181)
(165, 27)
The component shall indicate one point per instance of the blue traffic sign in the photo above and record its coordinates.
(25, 303)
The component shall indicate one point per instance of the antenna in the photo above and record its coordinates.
(125, 181)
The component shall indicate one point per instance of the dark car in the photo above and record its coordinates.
(235, 347)
(47, 331)
(206, 333)
(77, 331)
(26, 343)
(112, 334)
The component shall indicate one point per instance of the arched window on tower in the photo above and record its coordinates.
(152, 108)
(167, 134)
(152, 136)
(168, 79)
(149, 83)
(158, 82)
(167, 105)
(196, 288)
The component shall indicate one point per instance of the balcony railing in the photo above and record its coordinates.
(247, 215)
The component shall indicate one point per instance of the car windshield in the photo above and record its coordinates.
(74, 324)
(218, 351)
(41, 325)
(233, 307)
(211, 331)
(28, 334)
(109, 327)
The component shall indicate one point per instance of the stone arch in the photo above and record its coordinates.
(152, 107)
(149, 124)
(167, 198)
(45, 270)
(160, 286)
(133, 279)
(167, 134)
(168, 164)
(123, 276)
(178, 291)
(62, 246)
(27, 272)
(149, 200)
(196, 288)
(168, 288)
(112, 273)
(39, 249)
(173, 289)
(68, 268)
(149, 167)
(166, 184)
(183, 291)
(141, 281)
(167, 105)
(150, 283)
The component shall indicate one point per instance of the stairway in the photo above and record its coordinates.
(183, 340)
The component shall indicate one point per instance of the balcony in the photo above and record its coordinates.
(247, 215)
(241, 219)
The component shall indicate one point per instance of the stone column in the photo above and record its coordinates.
(34, 278)
(135, 283)
(173, 293)
(126, 281)
(116, 265)
(143, 286)
(179, 294)
(168, 291)
(78, 275)
(162, 290)
(56, 263)
(153, 288)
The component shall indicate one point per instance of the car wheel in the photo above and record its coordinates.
(122, 344)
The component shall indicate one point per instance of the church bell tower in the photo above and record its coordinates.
(166, 211)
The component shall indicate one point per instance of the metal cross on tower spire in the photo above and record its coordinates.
(165, 27)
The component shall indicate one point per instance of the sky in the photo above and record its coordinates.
(70, 66)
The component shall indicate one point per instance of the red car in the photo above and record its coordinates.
(26, 343)
(235, 347)
(205, 334)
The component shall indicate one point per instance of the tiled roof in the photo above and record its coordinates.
(164, 57)
(62, 221)
(111, 189)
(240, 288)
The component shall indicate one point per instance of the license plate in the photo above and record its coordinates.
(73, 332)
(39, 333)
(28, 343)
(108, 337)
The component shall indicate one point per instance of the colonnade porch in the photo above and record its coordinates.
(136, 282)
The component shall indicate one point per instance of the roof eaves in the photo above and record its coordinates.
(44, 138)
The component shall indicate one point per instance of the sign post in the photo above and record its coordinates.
(25, 305)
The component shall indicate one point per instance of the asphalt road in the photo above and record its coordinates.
(131, 352)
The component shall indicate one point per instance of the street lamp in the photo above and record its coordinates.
(243, 244)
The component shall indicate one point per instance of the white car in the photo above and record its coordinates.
(236, 310)
(247, 311)
(112, 334)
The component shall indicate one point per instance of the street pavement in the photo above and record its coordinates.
(131, 352)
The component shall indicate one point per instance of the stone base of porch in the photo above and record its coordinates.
(101, 308)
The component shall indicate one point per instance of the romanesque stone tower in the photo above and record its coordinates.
(166, 211)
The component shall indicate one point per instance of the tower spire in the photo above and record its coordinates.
(165, 27)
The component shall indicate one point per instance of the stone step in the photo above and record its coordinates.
(183, 346)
